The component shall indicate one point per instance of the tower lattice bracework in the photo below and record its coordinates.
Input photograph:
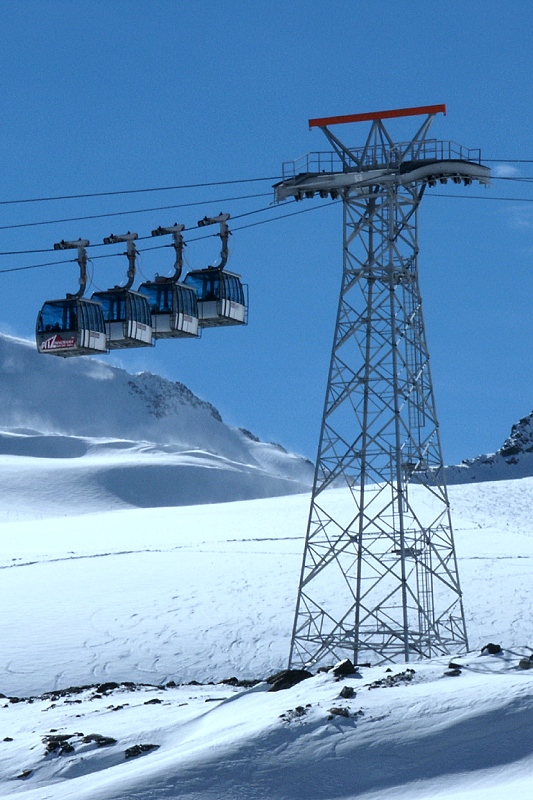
(379, 578)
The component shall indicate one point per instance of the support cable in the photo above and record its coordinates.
(237, 216)
(160, 247)
(132, 211)
(137, 191)
(195, 203)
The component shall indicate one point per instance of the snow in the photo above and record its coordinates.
(147, 546)
(204, 593)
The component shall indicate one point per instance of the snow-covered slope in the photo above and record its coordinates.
(147, 597)
(118, 440)
(115, 607)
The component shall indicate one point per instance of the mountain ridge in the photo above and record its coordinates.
(514, 459)
(132, 430)
(87, 399)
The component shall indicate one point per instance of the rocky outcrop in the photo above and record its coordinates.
(514, 459)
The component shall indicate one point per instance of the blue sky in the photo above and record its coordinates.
(124, 94)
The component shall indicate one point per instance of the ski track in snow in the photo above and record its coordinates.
(191, 606)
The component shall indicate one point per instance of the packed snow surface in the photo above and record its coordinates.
(149, 560)
(148, 597)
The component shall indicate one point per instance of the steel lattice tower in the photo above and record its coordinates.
(379, 578)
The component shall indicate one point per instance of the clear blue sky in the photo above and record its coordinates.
(125, 94)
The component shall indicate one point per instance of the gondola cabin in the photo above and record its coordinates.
(220, 297)
(127, 318)
(71, 327)
(173, 308)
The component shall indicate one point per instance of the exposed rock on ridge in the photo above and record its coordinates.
(513, 460)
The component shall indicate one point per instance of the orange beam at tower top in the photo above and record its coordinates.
(321, 122)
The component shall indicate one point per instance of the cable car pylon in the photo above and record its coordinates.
(379, 579)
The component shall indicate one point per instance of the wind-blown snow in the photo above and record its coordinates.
(116, 440)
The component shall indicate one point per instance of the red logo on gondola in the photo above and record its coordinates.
(57, 343)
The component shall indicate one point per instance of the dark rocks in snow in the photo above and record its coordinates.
(243, 684)
(491, 649)
(153, 702)
(453, 673)
(344, 667)
(347, 692)
(63, 744)
(26, 774)
(295, 713)
(139, 749)
(100, 690)
(521, 438)
(104, 688)
(516, 453)
(338, 711)
(99, 740)
(162, 397)
(59, 693)
(525, 663)
(510, 450)
(249, 435)
(283, 450)
(393, 680)
(287, 678)
(58, 744)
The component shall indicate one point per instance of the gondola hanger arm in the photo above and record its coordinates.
(131, 253)
(80, 245)
(224, 234)
(178, 245)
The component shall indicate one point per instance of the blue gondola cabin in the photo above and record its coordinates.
(127, 318)
(173, 308)
(220, 297)
(71, 327)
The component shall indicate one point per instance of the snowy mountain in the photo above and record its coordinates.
(119, 440)
(513, 460)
